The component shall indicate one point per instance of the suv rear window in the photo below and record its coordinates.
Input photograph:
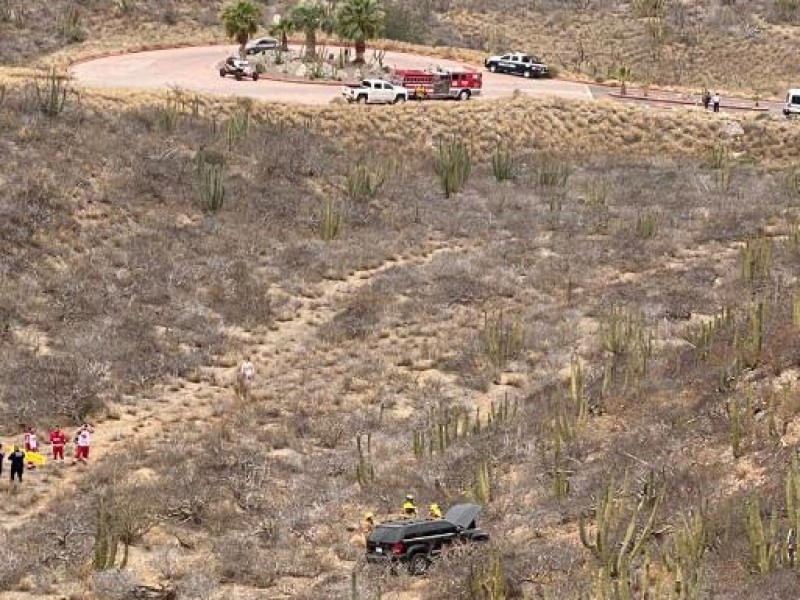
(386, 535)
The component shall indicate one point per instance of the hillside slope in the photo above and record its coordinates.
(617, 323)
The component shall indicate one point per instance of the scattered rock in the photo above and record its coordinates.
(731, 129)
(288, 456)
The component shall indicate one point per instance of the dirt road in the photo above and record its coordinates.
(195, 69)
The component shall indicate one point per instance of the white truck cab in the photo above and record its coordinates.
(375, 91)
(792, 106)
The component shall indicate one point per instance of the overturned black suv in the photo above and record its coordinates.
(415, 543)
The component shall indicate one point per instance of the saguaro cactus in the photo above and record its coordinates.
(617, 553)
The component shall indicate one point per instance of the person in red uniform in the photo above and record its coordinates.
(58, 440)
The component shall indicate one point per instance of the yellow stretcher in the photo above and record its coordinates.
(32, 458)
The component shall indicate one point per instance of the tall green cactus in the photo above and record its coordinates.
(761, 539)
(365, 470)
(452, 164)
(482, 488)
(52, 96)
(330, 222)
(792, 512)
(210, 181)
(616, 553)
(685, 556)
(488, 582)
(106, 540)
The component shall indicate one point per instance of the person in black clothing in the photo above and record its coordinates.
(17, 461)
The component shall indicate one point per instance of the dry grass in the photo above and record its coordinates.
(118, 291)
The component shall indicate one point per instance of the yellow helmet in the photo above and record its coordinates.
(410, 497)
(369, 515)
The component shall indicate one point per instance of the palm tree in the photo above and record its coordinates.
(241, 22)
(281, 30)
(359, 21)
(309, 17)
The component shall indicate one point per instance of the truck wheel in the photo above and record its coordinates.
(527, 74)
(361, 99)
(222, 72)
(463, 95)
(255, 76)
(493, 68)
(399, 99)
(418, 564)
(238, 76)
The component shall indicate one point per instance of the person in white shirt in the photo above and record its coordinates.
(715, 100)
(247, 373)
(83, 441)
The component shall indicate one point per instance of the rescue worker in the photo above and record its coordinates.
(409, 508)
(434, 512)
(715, 101)
(368, 524)
(419, 92)
(706, 99)
(31, 444)
(245, 377)
(82, 443)
(17, 461)
(58, 440)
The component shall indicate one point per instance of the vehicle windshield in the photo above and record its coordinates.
(794, 99)
(386, 535)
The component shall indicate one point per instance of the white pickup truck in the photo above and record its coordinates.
(375, 91)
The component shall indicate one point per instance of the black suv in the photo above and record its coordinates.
(517, 63)
(416, 542)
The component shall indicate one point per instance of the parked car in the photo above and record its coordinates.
(517, 63)
(375, 91)
(792, 106)
(238, 68)
(416, 543)
(261, 45)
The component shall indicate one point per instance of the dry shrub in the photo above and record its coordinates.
(358, 320)
(243, 560)
(239, 296)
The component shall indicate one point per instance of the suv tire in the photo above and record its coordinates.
(222, 72)
(493, 68)
(418, 564)
(527, 74)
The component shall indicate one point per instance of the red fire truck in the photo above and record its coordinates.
(424, 84)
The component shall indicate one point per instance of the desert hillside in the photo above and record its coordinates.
(582, 316)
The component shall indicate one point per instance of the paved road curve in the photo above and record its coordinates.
(195, 69)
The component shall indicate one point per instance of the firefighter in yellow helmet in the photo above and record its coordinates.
(434, 512)
(409, 508)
